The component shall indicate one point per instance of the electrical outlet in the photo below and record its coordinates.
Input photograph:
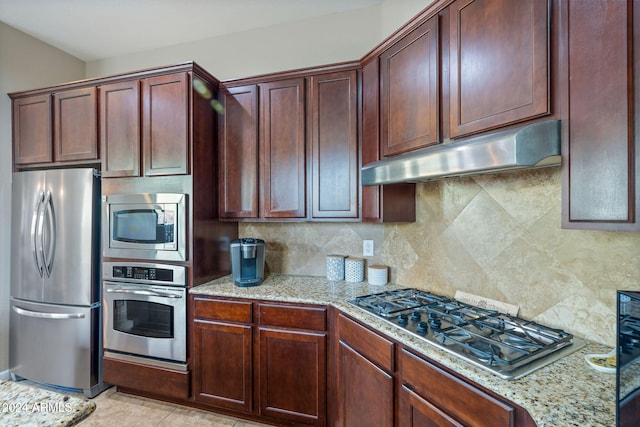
(367, 248)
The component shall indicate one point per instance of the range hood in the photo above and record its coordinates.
(533, 146)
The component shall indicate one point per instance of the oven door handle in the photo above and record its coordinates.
(142, 292)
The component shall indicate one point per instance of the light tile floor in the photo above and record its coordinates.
(120, 409)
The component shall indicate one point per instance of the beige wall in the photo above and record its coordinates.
(25, 63)
(327, 39)
(497, 236)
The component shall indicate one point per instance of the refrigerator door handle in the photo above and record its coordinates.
(47, 257)
(43, 315)
(35, 232)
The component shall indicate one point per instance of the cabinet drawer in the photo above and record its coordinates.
(232, 311)
(371, 345)
(458, 398)
(289, 316)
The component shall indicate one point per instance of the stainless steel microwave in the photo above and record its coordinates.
(147, 226)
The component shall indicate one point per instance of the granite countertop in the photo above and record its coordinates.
(565, 393)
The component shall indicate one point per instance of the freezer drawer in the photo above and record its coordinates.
(55, 344)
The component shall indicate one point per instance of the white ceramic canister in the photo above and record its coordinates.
(354, 270)
(377, 274)
(335, 268)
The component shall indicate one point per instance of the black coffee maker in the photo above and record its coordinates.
(247, 261)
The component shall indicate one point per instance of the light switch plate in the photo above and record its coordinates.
(367, 248)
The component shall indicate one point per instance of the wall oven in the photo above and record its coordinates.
(149, 226)
(145, 313)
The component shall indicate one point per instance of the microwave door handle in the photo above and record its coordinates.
(35, 232)
(51, 249)
(142, 292)
(43, 315)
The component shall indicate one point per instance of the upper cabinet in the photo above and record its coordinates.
(332, 107)
(238, 152)
(32, 130)
(148, 123)
(409, 83)
(149, 117)
(70, 135)
(289, 147)
(601, 176)
(120, 130)
(498, 63)
(282, 149)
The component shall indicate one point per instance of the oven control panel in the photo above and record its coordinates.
(163, 274)
(142, 273)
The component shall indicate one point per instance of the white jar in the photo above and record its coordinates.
(354, 270)
(377, 275)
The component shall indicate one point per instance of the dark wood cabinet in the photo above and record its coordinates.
(273, 367)
(56, 128)
(332, 107)
(165, 125)
(289, 147)
(75, 124)
(223, 343)
(293, 362)
(409, 86)
(365, 381)
(380, 203)
(601, 154)
(283, 149)
(238, 153)
(32, 130)
(120, 129)
(431, 396)
(498, 63)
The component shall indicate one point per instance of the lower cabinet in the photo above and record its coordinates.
(266, 360)
(431, 396)
(365, 362)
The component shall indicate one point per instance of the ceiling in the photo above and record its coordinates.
(98, 29)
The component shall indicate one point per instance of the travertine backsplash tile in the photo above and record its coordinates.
(497, 235)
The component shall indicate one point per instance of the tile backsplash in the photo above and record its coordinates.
(497, 236)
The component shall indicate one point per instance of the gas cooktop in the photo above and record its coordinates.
(504, 345)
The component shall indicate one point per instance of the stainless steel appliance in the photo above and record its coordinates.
(55, 321)
(148, 226)
(504, 345)
(628, 359)
(247, 261)
(145, 313)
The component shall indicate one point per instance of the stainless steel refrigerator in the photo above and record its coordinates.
(55, 322)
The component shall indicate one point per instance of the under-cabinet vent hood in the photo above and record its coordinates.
(527, 147)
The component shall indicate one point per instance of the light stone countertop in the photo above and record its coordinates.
(565, 393)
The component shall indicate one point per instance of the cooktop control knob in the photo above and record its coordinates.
(422, 327)
(403, 319)
(416, 315)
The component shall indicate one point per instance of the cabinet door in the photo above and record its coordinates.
(602, 160)
(238, 160)
(365, 392)
(498, 63)
(165, 124)
(460, 399)
(120, 129)
(75, 115)
(293, 375)
(283, 151)
(333, 114)
(32, 130)
(401, 200)
(223, 364)
(414, 411)
(409, 77)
